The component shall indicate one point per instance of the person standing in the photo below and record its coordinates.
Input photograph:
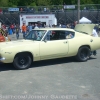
(17, 31)
(29, 27)
(36, 26)
(94, 34)
(12, 28)
(24, 28)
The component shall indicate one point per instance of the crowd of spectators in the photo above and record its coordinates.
(17, 29)
(11, 29)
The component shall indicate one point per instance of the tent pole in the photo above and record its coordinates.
(78, 11)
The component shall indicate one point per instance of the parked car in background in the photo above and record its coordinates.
(48, 43)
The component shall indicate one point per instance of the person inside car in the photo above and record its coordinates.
(69, 36)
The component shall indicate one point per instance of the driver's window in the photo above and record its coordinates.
(55, 35)
(48, 35)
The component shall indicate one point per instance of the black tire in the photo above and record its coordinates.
(83, 54)
(22, 61)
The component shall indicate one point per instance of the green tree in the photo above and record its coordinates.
(86, 2)
(4, 3)
(12, 3)
(57, 2)
(25, 2)
(96, 1)
(43, 2)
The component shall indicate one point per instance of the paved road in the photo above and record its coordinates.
(59, 79)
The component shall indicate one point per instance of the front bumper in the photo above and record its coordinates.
(2, 59)
(5, 60)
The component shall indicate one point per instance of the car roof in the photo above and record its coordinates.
(68, 29)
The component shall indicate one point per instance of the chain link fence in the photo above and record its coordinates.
(63, 13)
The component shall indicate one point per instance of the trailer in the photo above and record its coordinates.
(47, 19)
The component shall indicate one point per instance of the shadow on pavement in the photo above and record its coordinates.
(5, 67)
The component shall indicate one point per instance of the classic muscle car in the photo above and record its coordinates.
(48, 43)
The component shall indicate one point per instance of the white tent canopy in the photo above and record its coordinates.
(84, 20)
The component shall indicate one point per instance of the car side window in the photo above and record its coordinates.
(58, 35)
(69, 34)
(47, 37)
(55, 35)
(30, 36)
(62, 35)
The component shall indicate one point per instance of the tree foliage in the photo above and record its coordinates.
(12, 3)
(4, 3)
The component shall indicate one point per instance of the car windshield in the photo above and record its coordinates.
(35, 35)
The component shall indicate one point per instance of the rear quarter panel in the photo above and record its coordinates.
(76, 42)
(95, 44)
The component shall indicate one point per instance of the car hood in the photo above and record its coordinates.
(18, 43)
(86, 28)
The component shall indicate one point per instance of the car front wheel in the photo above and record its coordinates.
(83, 54)
(22, 61)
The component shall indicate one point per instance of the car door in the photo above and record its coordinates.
(55, 46)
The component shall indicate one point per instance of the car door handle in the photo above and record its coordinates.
(65, 42)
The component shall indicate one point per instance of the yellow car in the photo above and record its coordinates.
(48, 43)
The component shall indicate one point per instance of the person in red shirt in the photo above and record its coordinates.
(12, 27)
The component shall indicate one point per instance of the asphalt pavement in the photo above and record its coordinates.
(59, 79)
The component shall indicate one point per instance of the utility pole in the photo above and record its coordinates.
(78, 14)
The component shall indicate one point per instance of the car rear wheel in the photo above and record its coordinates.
(83, 54)
(22, 61)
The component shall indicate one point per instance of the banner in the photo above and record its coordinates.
(13, 9)
(69, 6)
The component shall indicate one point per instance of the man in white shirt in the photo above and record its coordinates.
(36, 26)
(94, 34)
